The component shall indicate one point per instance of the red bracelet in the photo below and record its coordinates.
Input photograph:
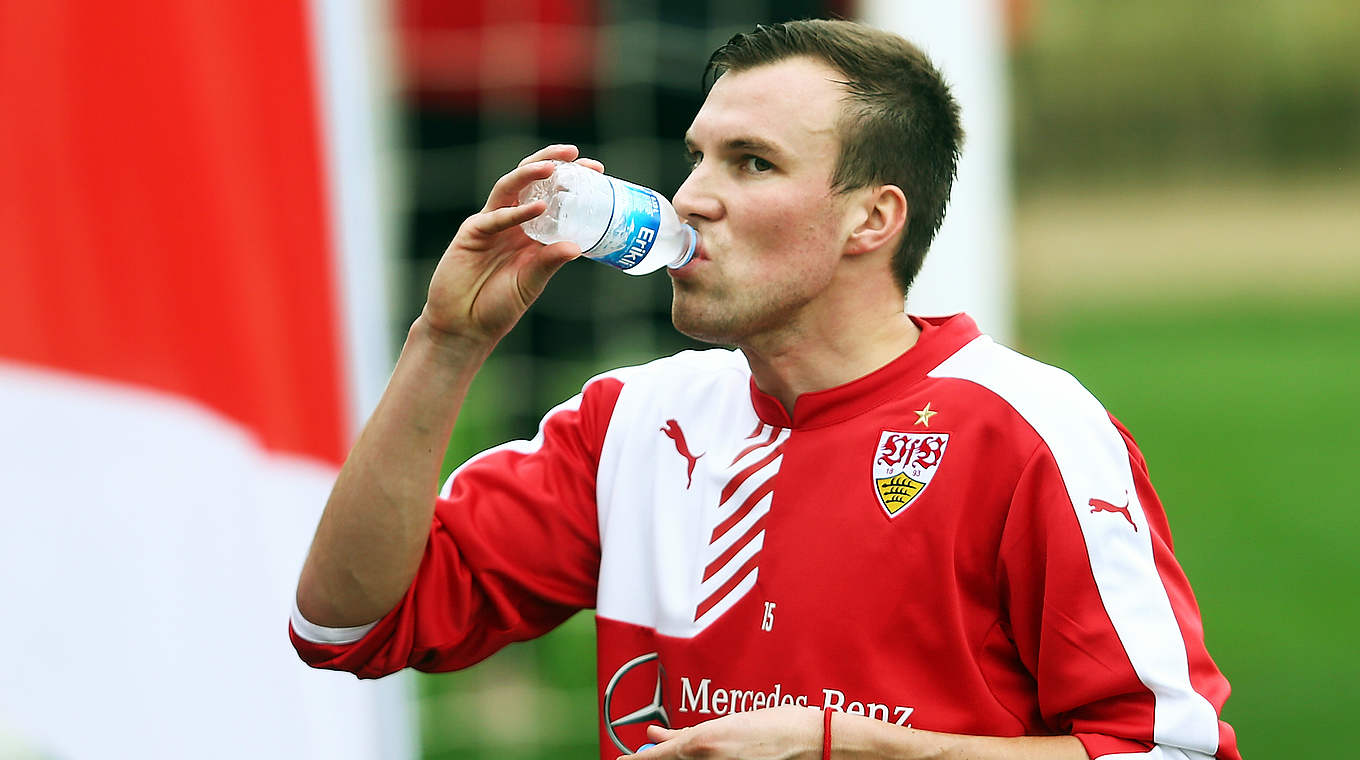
(826, 733)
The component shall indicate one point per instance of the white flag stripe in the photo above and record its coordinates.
(123, 661)
(352, 61)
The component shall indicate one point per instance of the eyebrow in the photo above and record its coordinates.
(742, 144)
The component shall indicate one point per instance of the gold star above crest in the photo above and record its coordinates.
(923, 415)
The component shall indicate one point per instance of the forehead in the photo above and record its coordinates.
(794, 103)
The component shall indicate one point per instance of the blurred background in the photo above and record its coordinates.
(1182, 233)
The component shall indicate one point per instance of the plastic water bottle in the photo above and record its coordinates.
(614, 222)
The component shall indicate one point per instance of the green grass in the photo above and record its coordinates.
(1249, 416)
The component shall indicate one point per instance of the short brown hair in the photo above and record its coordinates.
(900, 125)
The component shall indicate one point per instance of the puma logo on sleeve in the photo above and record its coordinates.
(1097, 505)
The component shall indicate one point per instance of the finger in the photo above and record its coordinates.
(657, 733)
(591, 163)
(560, 152)
(499, 220)
(507, 189)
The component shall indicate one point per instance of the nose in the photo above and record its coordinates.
(697, 199)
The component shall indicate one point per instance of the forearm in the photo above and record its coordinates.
(373, 531)
(855, 737)
(796, 733)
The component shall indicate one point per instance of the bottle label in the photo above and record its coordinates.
(632, 231)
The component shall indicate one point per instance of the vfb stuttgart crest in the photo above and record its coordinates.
(904, 465)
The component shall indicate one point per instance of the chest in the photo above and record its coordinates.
(714, 514)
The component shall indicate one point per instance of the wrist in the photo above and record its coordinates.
(450, 348)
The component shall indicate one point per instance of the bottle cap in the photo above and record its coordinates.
(685, 257)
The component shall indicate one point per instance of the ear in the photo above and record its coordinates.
(880, 216)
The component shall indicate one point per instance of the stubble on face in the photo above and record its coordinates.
(722, 318)
(731, 309)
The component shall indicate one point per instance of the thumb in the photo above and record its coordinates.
(538, 268)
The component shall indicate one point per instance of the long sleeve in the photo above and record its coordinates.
(1100, 609)
(513, 552)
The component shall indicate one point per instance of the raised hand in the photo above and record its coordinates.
(492, 271)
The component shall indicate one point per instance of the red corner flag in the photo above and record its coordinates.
(176, 382)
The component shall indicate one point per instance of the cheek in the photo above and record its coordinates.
(802, 235)
(782, 226)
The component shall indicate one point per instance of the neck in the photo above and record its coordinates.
(801, 359)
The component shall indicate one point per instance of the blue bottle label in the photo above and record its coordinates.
(632, 231)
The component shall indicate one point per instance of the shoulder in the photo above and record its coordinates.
(687, 368)
(686, 379)
(1048, 398)
(1078, 437)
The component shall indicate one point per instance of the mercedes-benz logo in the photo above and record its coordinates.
(653, 711)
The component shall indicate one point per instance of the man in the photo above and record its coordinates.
(946, 548)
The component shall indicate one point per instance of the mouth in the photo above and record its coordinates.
(700, 254)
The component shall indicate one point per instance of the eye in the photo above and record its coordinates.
(693, 157)
(755, 164)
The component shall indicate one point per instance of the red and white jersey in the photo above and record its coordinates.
(962, 541)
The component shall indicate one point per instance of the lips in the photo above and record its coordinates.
(699, 255)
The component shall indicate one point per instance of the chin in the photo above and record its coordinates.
(699, 332)
(695, 324)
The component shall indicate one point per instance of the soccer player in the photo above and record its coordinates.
(862, 533)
